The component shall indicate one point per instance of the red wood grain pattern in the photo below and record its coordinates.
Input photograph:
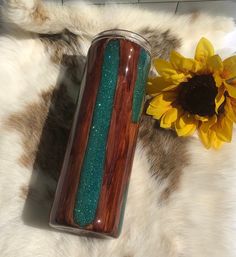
(121, 144)
(62, 212)
(120, 148)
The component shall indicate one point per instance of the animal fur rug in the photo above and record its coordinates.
(182, 197)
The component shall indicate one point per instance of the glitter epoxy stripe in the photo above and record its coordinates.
(140, 84)
(92, 170)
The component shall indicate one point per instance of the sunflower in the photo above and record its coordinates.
(195, 95)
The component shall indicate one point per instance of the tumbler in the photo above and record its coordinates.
(92, 188)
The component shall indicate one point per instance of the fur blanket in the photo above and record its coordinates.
(182, 197)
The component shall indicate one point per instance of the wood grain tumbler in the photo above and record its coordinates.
(92, 188)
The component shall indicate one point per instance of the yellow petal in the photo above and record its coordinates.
(186, 131)
(215, 141)
(230, 109)
(231, 89)
(217, 144)
(209, 139)
(168, 118)
(165, 98)
(224, 128)
(205, 126)
(162, 65)
(215, 64)
(158, 84)
(205, 138)
(220, 98)
(229, 67)
(182, 64)
(160, 104)
(204, 131)
(215, 131)
(219, 81)
(185, 126)
(202, 118)
(231, 81)
(204, 50)
(177, 78)
(157, 112)
(166, 70)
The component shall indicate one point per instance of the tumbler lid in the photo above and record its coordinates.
(125, 34)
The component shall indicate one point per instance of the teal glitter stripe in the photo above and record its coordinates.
(92, 170)
(140, 84)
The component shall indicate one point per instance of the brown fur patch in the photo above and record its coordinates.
(29, 123)
(161, 42)
(58, 45)
(195, 16)
(24, 190)
(166, 152)
(44, 126)
(40, 15)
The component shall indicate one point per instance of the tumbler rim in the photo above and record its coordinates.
(124, 34)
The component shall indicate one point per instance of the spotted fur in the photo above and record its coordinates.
(181, 199)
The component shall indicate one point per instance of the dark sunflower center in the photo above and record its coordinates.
(197, 95)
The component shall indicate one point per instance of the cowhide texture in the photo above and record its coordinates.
(182, 197)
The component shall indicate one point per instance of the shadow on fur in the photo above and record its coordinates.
(51, 148)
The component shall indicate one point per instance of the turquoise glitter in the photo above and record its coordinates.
(92, 170)
(139, 90)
